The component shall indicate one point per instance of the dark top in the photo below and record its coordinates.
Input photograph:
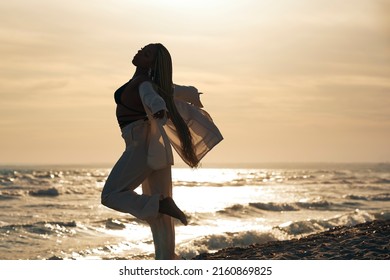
(129, 105)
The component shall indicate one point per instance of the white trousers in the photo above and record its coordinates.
(129, 172)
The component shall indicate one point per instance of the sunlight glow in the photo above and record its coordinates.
(195, 6)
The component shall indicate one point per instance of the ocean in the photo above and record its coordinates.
(55, 212)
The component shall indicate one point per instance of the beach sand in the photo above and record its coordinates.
(367, 241)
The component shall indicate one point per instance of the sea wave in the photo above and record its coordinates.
(294, 228)
(214, 242)
(236, 211)
(40, 227)
(382, 181)
(114, 224)
(284, 207)
(272, 206)
(45, 192)
(376, 197)
(11, 194)
(6, 196)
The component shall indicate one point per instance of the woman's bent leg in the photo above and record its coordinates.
(128, 173)
(119, 194)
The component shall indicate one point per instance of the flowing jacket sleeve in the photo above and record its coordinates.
(205, 134)
(151, 100)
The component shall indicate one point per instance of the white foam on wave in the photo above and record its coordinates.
(305, 227)
(273, 206)
(114, 224)
(214, 242)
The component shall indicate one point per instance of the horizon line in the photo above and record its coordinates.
(205, 165)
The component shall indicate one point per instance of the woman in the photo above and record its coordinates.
(153, 114)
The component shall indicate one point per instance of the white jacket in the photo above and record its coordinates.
(163, 134)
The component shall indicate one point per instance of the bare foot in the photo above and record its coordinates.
(169, 207)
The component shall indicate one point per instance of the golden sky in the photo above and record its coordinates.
(284, 80)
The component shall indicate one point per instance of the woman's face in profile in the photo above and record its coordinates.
(144, 58)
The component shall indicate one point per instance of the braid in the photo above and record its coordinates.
(162, 77)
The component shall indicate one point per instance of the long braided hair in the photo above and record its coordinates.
(162, 77)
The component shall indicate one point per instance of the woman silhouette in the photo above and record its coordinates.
(154, 114)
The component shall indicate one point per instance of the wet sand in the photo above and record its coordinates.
(367, 241)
